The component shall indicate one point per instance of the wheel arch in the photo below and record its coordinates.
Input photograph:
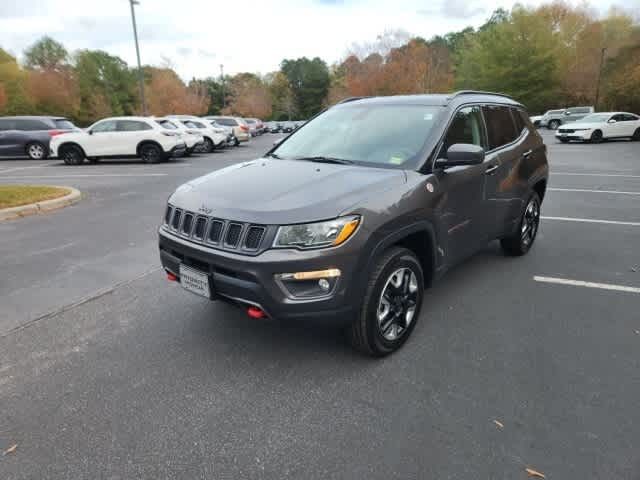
(148, 142)
(71, 144)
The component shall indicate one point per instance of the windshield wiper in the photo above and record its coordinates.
(320, 159)
(274, 155)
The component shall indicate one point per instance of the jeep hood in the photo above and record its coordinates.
(271, 191)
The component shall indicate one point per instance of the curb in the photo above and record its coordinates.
(41, 207)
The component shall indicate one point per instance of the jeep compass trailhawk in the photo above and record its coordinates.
(356, 213)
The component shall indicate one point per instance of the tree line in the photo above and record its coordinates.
(550, 56)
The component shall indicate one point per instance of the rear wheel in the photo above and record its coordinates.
(36, 151)
(521, 241)
(150, 153)
(208, 145)
(596, 136)
(636, 135)
(72, 155)
(553, 124)
(391, 305)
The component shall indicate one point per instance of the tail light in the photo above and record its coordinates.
(244, 128)
(53, 133)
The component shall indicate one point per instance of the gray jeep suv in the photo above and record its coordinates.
(352, 216)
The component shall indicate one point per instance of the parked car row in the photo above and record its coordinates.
(552, 119)
(152, 139)
(283, 127)
(601, 126)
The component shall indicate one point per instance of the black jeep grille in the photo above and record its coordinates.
(223, 234)
(233, 235)
(254, 237)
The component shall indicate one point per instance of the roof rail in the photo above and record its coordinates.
(350, 99)
(478, 92)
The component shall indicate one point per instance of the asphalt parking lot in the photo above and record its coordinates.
(108, 371)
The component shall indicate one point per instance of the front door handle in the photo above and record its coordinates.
(527, 154)
(491, 169)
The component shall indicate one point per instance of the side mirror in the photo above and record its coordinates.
(567, 113)
(461, 154)
(277, 142)
(612, 121)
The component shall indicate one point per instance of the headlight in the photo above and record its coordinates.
(314, 235)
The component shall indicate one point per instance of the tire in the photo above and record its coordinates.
(553, 124)
(208, 145)
(72, 155)
(188, 152)
(236, 142)
(374, 332)
(596, 136)
(522, 240)
(151, 153)
(564, 140)
(36, 151)
(93, 160)
(636, 135)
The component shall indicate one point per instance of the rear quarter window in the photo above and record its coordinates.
(64, 124)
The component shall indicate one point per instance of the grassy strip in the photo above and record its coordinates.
(16, 195)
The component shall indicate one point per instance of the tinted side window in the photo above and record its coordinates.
(229, 122)
(106, 126)
(629, 118)
(132, 126)
(466, 127)
(167, 124)
(6, 124)
(618, 118)
(64, 124)
(500, 126)
(30, 125)
(520, 122)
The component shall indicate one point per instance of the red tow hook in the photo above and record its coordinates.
(171, 277)
(255, 312)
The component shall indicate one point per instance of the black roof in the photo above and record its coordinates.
(437, 99)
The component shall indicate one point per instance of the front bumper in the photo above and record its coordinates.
(178, 150)
(250, 280)
(580, 135)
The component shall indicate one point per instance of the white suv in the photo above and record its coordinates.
(192, 137)
(213, 137)
(140, 137)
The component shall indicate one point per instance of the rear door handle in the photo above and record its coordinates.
(527, 154)
(491, 169)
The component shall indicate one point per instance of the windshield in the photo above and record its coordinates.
(382, 135)
(596, 118)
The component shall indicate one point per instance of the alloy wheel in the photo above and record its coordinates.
(530, 222)
(397, 304)
(35, 151)
(150, 154)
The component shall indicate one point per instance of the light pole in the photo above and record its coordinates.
(599, 77)
(140, 74)
(224, 103)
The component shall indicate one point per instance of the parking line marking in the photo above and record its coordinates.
(596, 174)
(591, 191)
(23, 177)
(592, 220)
(580, 283)
(23, 168)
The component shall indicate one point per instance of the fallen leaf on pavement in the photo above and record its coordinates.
(499, 424)
(533, 473)
(11, 449)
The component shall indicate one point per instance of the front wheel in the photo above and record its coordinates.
(636, 135)
(564, 140)
(208, 145)
(391, 305)
(522, 240)
(596, 137)
(553, 124)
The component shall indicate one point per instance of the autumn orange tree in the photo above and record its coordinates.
(250, 96)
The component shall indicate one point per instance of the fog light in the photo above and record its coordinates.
(317, 283)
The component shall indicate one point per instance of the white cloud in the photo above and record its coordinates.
(198, 35)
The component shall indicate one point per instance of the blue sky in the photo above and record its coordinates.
(196, 36)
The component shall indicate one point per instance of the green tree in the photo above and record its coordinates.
(13, 83)
(106, 84)
(282, 101)
(309, 82)
(46, 54)
(513, 55)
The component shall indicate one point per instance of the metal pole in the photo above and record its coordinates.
(599, 77)
(224, 103)
(140, 73)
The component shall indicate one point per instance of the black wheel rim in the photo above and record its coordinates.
(597, 136)
(150, 154)
(530, 222)
(397, 304)
(71, 156)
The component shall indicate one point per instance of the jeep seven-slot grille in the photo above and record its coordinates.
(224, 234)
